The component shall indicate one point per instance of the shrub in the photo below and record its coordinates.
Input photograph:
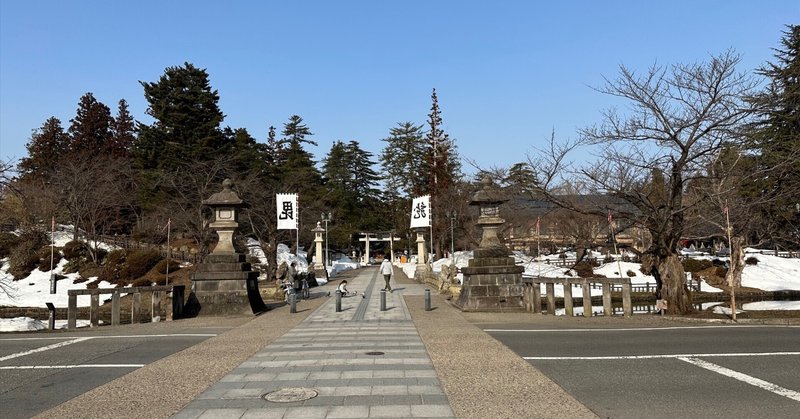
(75, 249)
(44, 259)
(112, 266)
(161, 266)
(142, 282)
(584, 270)
(24, 256)
(721, 272)
(630, 273)
(7, 242)
(752, 260)
(139, 262)
(696, 265)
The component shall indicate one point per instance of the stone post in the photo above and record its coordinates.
(319, 267)
(422, 252)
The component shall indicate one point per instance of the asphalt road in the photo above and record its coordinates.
(732, 371)
(41, 370)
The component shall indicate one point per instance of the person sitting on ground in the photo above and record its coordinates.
(342, 288)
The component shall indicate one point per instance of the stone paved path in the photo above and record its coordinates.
(358, 363)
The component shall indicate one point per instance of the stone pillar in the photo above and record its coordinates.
(366, 250)
(422, 252)
(319, 267)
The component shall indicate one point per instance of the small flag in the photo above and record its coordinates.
(538, 221)
(609, 216)
(53, 224)
(169, 223)
(725, 210)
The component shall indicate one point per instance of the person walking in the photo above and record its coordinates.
(386, 270)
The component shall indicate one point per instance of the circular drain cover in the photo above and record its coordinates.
(374, 353)
(290, 394)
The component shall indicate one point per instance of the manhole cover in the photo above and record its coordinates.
(374, 353)
(290, 394)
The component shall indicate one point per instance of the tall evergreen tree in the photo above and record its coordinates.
(90, 130)
(443, 163)
(47, 145)
(187, 119)
(444, 171)
(777, 137)
(297, 166)
(401, 160)
(123, 131)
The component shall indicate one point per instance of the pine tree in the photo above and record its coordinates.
(777, 137)
(297, 166)
(47, 145)
(90, 130)
(123, 132)
(187, 119)
(401, 160)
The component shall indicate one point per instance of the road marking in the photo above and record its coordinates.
(637, 329)
(121, 336)
(664, 356)
(42, 349)
(83, 339)
(51, 367)
(753, 381)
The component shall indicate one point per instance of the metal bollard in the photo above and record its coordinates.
(427, 300)
(338, 301)
(292, 303)
(383, 300)
(51, 321)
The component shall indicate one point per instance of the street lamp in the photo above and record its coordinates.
(326, 217)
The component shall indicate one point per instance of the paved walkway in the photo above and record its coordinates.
(358, 363)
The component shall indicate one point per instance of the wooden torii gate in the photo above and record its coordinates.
(382, 236)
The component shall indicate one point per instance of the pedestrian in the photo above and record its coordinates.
(342, 288)
(386, 270)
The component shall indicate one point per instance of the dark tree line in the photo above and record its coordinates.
(109, 174)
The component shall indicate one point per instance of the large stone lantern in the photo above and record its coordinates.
(492, 282)
(224, 283)
(225, 205)
(318, 266)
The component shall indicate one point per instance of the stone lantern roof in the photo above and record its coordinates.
(488, 194)
(227, 197)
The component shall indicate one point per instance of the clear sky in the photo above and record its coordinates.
(507, 73)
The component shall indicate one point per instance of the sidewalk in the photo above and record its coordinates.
(358, 363)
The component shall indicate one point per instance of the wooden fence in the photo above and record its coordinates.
(158, 293)
(533, 299)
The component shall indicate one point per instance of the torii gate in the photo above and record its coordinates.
(378, 237)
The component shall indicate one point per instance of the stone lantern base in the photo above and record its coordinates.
(220, 284)
(492, 282)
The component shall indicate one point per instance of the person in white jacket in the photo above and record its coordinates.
(386, 270)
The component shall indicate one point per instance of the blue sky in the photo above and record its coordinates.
(507, 72)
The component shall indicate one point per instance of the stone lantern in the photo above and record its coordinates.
(492, 282)
(225, 205)
(224, 283)
(318, 230)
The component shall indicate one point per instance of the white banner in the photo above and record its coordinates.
(287, 211)
(421, 212)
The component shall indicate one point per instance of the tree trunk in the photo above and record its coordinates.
(670, 283)
(737, 262)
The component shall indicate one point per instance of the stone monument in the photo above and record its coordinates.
(492, 282)
(224, 282)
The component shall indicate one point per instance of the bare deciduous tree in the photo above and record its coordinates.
(678, 119)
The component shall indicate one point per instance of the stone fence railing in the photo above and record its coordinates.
(159, 294)
(533, 299)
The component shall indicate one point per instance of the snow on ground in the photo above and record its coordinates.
(26, 324)
(34, 290)
(772, 273)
